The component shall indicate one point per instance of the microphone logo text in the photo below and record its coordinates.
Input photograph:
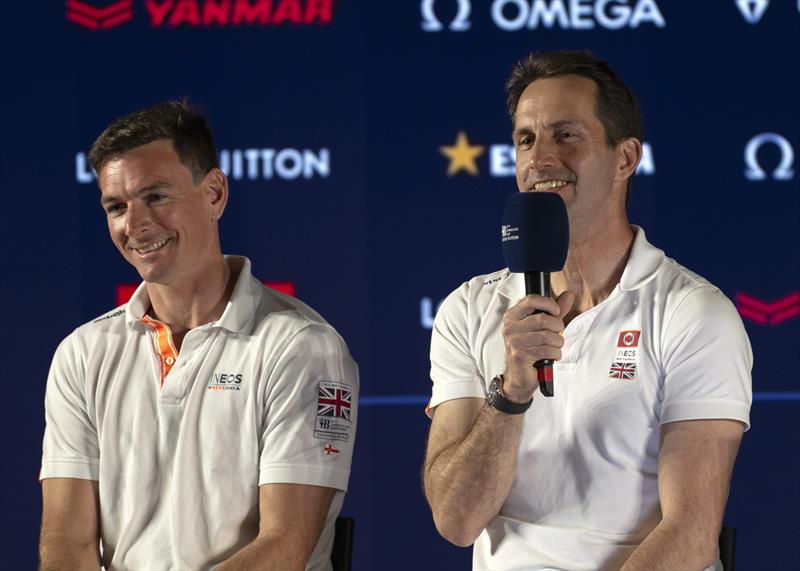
(509, 232)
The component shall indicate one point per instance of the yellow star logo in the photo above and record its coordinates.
(462, 155)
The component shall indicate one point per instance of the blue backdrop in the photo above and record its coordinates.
(369, 156)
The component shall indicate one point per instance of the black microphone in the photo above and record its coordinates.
(535, 235)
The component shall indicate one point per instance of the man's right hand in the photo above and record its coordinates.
(530, 338)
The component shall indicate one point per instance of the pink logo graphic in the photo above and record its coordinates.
(94, 18)
(768, 313)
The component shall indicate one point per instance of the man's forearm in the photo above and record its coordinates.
(670, 546)
(467, 483)
(57, 554)
(267, 553)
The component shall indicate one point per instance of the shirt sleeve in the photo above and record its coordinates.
(454, 371)
(707, 361)
(70, 447)
(310, 412)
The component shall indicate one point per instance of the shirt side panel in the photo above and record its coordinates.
(310, 411)
(454, 370)
(70, 446)
(707, 360)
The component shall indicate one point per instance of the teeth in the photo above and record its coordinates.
(152, 247)
(548, 184)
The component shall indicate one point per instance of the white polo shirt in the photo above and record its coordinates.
(665, 346)
(180, 443)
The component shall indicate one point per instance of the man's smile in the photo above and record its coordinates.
(152, 247)
(549, 184)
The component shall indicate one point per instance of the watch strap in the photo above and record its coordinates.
(496, 400)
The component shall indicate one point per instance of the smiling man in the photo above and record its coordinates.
(628, 465)
(209, 422)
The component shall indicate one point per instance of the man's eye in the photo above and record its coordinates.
(154, 197)
(525, 141)
(114, 209)
(565, 135)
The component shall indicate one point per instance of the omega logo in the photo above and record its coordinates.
(430, 23)
(784, 169)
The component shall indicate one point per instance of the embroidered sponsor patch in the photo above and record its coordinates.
(110, 315)
(628, 339)
(334, 407)
(626, 359)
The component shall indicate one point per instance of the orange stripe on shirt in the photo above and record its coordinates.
(165, 348)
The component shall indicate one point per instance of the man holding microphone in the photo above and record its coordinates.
(628, 465)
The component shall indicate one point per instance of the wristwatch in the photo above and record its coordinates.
(496, 400)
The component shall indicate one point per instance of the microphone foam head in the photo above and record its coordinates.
(535, 232)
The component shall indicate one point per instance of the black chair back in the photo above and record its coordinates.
(342, 552)
(727, 548)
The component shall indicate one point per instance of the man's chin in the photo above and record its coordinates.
(152, 274)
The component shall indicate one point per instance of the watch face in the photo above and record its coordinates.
(494, 390)
(498, 401)
(494, 386)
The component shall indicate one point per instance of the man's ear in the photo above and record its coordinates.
(216, 185)
(629, 153)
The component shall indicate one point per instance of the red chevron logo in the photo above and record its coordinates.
(125, 291)
(94, 18)
(768, 313)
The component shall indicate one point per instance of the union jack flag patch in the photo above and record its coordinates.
(334, 401)
(333, 420)
(622, 370)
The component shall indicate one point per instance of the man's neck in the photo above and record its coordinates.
(594, 267)
(198, 301)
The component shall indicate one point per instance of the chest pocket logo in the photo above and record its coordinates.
(225, 382)
(626, 359)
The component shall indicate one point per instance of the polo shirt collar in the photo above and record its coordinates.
(642, 266)
(238, 312)
(643, 263)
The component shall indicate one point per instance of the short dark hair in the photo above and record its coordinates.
(175, 121)
(616, 105)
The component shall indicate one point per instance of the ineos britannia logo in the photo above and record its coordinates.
(515, 15)
(783, 171)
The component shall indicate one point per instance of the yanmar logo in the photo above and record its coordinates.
(225, 382)
(768, 312)
(203, 13)
(95, 18)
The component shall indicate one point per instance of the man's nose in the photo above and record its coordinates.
(543, 154)
(137, 219)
